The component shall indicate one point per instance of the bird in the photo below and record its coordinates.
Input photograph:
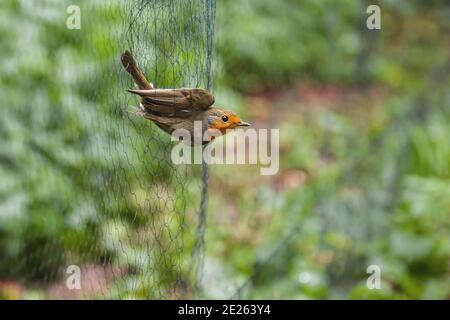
(172, 109)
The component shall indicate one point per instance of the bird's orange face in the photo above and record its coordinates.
(226, 120)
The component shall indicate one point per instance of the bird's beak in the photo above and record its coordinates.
(243, 124)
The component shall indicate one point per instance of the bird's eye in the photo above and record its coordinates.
(224, 118)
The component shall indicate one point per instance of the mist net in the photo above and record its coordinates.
(122, 220)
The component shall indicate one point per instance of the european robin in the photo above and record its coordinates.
(172, 109)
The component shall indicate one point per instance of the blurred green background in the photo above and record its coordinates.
(364, 176)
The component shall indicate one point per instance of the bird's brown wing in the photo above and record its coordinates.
(175, 102)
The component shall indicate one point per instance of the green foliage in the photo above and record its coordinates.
(361, 181)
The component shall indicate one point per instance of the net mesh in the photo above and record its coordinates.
(136, 227)
(172, 40)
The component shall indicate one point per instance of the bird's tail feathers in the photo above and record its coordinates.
(132, 68)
